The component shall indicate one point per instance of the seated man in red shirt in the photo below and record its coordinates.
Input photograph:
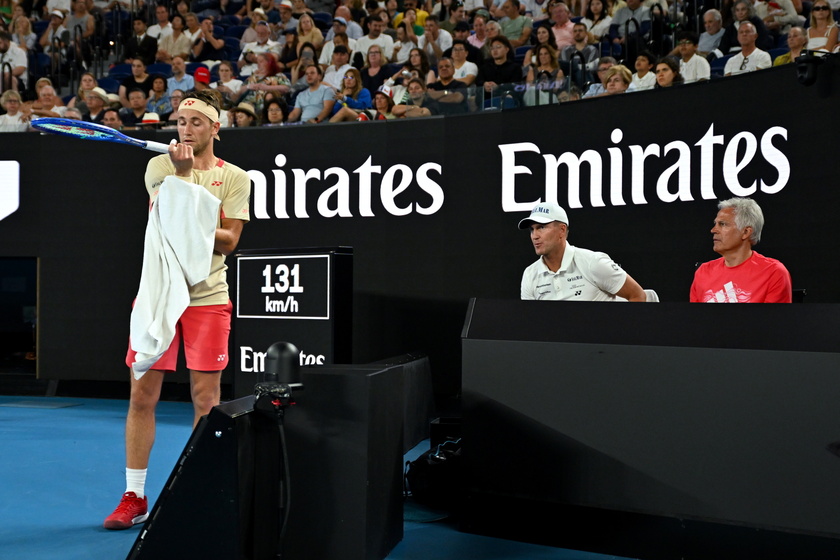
(741, 275)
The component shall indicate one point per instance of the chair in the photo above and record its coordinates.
(232, 48)
(110, 85)
(193, 66)
(161, 69)
(218, 31)
(323, 21)
(774, 53)
(235, 31)
(651, 296)
(119, 71)
(520, 52)
(718, 65)
(40, 26)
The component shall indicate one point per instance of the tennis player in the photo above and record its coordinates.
(205, 325)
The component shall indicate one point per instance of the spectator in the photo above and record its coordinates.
(435, 40)
(73, 114)
(465, 71)
(208, 45)
(581, 44)
(267, 78)
(175, 44)
(710, 38)
(139, 79)
(96, 102)
(16, 118)
(248, 58)
(307, 55)
(141, 45)
(618, 79)
(412, 5)
(16, 58)
(335, 73)
(299, 8)
(250, 34)
(668, 73)
(544, 37)
(243, 116)
(377, 37)
(545, 78)
(47, 104)
(287, 21)
(693, 68)
(644, 78)
(158, 101)
(175, 97)
(227, 84)
(517, 28)
(193, 27)
(822, 35)
(23, 35)
(132, 115)
(797, 43)
(308, 32)
(563, 27)
(418, 103)
(778, 15)
(480, 32)
(457, 14)
(162, 28)
(315, 103)
(374, 74)
(275, 112)
(55, 33)
(462, 33)
(86, 84)
(288, 57)
(499, 75)
(449, 93)
(179, 79)
(417, 63)
(346, 24)
(81, 19)
(750, 58)
(492, 30)
(403, 44)
(634, 10)
(597, 20)
(743, 12)
(112, 118)
(327, 51)
(352, 99)
(600, 87)
(573, 94)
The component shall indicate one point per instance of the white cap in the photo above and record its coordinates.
(544, 213)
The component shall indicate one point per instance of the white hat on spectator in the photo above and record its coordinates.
(57, 13)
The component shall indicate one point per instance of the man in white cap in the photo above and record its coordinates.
(205, 324)
(566, 272)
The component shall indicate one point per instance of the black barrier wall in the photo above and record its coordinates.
(430, 207)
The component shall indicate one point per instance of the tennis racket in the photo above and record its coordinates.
(93, 131)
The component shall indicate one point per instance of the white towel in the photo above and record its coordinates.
(178, 251)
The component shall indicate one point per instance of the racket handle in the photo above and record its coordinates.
(157, 147)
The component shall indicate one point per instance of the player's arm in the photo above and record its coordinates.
(227, 236)
(632, 291)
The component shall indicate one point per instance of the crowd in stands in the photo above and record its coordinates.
(274, 62)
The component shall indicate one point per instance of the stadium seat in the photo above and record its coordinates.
(718, 64)
(520, 52)
(110, 85)
(161, 69)
(323, 21)
(232, 48)
(193, 66)
(235, 31)
(119, 71)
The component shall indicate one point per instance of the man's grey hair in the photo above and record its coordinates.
(716, 14)
(747, 214)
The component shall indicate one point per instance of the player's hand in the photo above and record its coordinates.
(182, 158)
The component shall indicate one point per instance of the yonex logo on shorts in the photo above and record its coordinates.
(9, 187)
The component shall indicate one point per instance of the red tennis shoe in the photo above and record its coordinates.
(131, 511)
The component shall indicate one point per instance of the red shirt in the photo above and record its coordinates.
(756, 280)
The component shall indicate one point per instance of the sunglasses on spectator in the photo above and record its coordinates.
(820, 9)
(348, 76)
(744, 63)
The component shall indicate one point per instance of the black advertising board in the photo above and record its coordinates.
(301, 295)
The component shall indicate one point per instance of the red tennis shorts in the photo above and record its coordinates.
(205, 330)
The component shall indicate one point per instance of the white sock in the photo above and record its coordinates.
(135, 481)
